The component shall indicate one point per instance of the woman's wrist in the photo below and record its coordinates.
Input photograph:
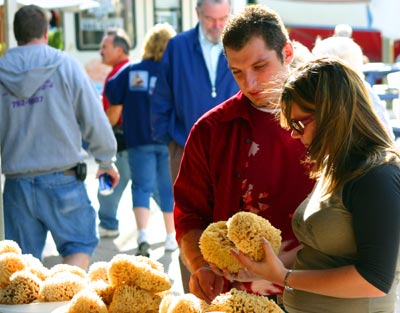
(288, 287)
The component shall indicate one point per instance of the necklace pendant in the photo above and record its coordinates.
(213, 93)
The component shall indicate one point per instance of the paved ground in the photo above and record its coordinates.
(126, 242)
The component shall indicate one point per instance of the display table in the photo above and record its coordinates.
(377, 71)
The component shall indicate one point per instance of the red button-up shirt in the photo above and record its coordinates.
(211, 184)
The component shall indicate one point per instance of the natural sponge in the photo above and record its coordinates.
(9, 246)
(246, 229)
(98, 271)
(62, 286)
(87, 301)
(215, 247)
(140, 271)
(67, 268)
(10, 262)
(103, 289)
(132, 299)
(236, 301)
(243, 231)
(186, 303)
(34, 265)
(23, 288)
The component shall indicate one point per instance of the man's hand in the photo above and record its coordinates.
(205, 284)
(113, 172)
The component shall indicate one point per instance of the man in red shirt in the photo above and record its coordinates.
(114, 51)
(238, 158)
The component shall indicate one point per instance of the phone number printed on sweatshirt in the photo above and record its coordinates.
(34, 99)
(23, 102)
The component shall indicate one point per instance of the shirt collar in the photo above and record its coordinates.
(239, 107)
(267, 110)
(236, 107)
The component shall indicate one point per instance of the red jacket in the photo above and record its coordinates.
(208, 186)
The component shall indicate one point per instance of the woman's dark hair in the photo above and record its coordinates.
(347, 127)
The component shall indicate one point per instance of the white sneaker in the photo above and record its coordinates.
(108, 233)
(171, 244)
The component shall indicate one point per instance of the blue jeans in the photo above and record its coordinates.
(109, 204)
(51, 202)
(150, 171)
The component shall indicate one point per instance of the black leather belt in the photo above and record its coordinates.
(70, 171)
(79, 171)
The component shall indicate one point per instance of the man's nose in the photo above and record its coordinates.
(250, 81)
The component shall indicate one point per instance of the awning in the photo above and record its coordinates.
(319, 13)
(385, 17)
(332, 1)
(65, 5)
(381, 15)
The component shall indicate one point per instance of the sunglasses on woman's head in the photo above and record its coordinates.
(299, 125)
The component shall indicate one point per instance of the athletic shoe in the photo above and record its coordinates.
(171, 245)
(143, 249)
(108, 233)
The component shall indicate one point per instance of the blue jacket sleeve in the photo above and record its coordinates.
(115, 87)
(162, 101)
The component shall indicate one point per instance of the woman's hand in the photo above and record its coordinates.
(242, 275)
(270, 268)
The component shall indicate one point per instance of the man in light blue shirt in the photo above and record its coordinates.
(194, 78)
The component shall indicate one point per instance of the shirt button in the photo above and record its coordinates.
(248, 140)
(238, 175)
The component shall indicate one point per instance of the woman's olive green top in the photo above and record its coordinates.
(360, 232)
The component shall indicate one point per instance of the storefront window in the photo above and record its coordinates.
(169, 11)
(92, 24)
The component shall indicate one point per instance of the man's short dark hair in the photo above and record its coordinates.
(30, 22)
(255, 21)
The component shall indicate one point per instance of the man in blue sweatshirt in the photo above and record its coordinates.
(193, 79)
(47, 106)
